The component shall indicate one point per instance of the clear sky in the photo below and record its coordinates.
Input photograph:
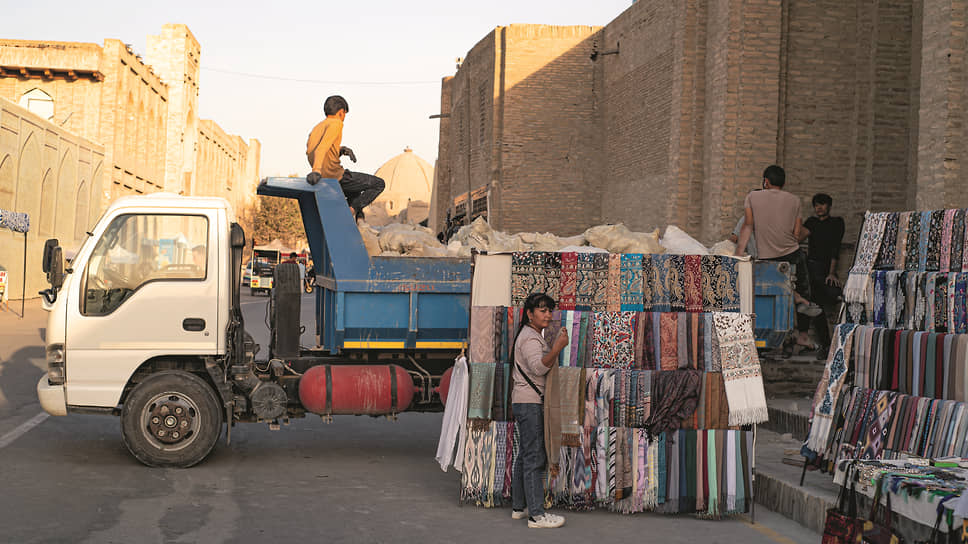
(385, 57)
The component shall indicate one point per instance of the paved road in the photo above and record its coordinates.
(358, 479)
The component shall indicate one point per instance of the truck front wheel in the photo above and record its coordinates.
(172, 419)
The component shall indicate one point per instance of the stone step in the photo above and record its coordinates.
(789, 416)
(777, 485)
(796, 376)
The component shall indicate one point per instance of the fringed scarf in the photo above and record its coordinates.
(571, 383)
(829, 387)
(741, 368)
(868, 246)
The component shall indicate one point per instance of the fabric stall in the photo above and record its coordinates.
(652, 403)
(889, 416)
(17, 222)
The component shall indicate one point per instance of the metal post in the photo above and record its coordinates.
(23, 287)
(753, 478)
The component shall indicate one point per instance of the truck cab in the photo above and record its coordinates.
(147, 295)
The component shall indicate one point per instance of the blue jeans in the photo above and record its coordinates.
(527, 477)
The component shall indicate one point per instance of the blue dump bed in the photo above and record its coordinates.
(397, 303)
(363, 302)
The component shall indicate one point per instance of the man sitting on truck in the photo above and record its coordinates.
(323, 150)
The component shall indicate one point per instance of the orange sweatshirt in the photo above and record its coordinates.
(322, 148)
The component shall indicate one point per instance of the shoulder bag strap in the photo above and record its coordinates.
(531, 383)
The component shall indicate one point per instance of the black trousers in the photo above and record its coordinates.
(360, 189)
(826, 296)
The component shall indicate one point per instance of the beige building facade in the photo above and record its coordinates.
(134, 119)
(670, 112)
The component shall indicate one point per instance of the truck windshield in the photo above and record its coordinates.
(138, 248)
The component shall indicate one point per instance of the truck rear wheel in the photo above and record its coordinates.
(172, 419)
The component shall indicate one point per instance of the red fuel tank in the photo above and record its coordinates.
(356, 389)
(444, 388)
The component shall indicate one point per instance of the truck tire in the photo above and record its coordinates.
(172, 419)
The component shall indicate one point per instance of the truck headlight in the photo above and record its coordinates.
(56, 374)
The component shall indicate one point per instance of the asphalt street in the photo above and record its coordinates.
(358, 479)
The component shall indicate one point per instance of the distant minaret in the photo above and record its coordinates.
(174, 55)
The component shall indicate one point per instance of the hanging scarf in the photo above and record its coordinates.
(599, 278)
(741, 368)
(912, 259)
(614, 335)
(668, 343)
(571, 382)
(946, 232)
(527, 275)
(674, 397)
(868, 246)
(932, 251)
(585, 281)
(568, 289)
(887, 254)
(631, 294)
(613, 285)
(481, 392)
(692, 283)
(957, 240)
(903, 224)
(482, 334)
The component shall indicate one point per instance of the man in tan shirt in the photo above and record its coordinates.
(774, 215)
(323, 150)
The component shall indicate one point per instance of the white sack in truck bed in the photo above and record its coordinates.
(400, 239)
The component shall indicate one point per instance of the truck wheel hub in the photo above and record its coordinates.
(171, 418)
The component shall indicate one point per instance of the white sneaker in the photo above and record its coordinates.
(809, 310)
(519, 514)
(546, 521)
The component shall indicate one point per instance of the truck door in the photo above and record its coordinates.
(148, 289)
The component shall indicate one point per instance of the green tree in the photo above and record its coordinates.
(275, 217)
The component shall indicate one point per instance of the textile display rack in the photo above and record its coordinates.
(654, 403)
(892, 398)
(18, 222)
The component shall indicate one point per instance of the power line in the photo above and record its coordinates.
(317, 81)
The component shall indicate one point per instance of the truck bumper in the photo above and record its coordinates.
(53, 399)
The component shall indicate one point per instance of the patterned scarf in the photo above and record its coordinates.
(571, 382)
(17, 222)
(721, 293)
(526, 269)
(675, 395)
(957, 240)
(668, 345)
(614, 339)
(552, 272)
(568, 284)
(911, 260)
(886, 255)
(482, 334)
(946, 231)
(613, 286)
(868, 246)
(599, 278)
(481, 391)
(585, 284)
(631, 294)
(693, 288)
(880, 421)
(741, 368)
(932, 251)
(900, 252)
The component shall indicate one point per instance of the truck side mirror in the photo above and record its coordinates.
(49, 246)
(56, 273)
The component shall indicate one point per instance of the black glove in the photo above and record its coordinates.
(348, 152)
(314, 177)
